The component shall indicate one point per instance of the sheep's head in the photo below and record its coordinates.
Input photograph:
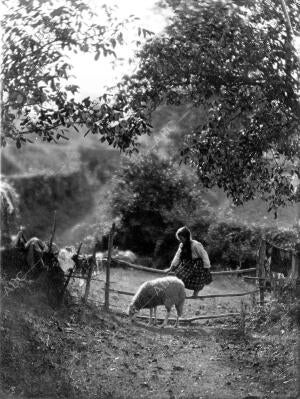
(132, 311)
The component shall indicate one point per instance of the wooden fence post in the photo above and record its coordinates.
(297, 294)
(90, 273)
(243, 317)
(260, 270)
(296, 266)
(253, 300)
(107, 282)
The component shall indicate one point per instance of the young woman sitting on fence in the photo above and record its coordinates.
(191, 262)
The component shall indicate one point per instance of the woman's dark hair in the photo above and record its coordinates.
(183, 232)
(186, 250)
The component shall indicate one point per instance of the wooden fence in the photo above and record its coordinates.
(260, 278)
(264, 275)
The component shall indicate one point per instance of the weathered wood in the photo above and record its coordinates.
(253, 278)
(294, 273)
(137, 267)
(297, 271)
(107, 283)
(156, 271)
(197, 297)
(260, 270)
(89, 277)
(189, 320)
(231, 294)
(230, 272)
(253, 299)
(243, 317)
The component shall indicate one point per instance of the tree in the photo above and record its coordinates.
(36, 97)
(152, 198)
(235, 61)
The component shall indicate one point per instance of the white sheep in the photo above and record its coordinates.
(167, 291)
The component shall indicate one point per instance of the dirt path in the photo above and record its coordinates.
(82, 352)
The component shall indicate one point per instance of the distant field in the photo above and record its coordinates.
(130, 280)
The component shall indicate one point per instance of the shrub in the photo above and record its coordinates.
(233, 245)
(153, 198)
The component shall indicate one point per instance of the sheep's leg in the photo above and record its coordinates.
(150, 318)
(176, 322)
(166, 318)
(179, 309)
(155, 319)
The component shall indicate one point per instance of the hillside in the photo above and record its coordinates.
(74, 177)
(64, 177)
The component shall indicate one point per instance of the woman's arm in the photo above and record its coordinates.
(198, 251)
(176, 260)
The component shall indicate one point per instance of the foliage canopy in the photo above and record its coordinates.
(234, 60)
(37, 99)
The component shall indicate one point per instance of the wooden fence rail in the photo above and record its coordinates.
(197, 297)
(157, 271)
(260, 278)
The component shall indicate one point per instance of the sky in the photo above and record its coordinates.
(92, 76)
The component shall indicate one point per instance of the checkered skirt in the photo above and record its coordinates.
(194, 275)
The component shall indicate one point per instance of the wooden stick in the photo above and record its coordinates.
(197, 297)
(89, 277)
(107, 283)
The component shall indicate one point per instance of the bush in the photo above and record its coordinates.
(233, 245)
(153, 199)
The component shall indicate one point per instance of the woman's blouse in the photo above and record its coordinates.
(198, 251)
